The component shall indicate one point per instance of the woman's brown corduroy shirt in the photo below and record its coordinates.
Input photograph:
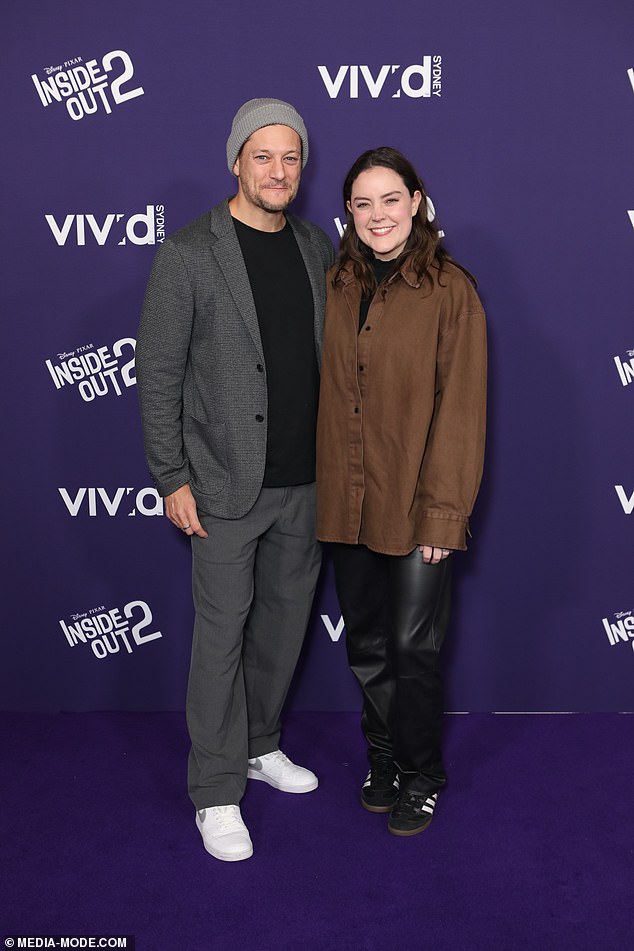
(400, 433)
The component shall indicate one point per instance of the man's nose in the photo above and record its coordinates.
(277, 168)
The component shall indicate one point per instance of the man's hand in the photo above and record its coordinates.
(180, 508)
(431, 556)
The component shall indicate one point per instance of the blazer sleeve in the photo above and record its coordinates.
(161, 359)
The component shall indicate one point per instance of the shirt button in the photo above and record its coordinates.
(356, 409)
(361, 369)
(259, 418)
(259, 368)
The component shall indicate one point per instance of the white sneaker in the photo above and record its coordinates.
(224, 833)
(277, 770)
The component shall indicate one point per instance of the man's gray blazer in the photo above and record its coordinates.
(200, 366)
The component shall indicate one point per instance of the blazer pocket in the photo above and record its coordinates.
(205, 443)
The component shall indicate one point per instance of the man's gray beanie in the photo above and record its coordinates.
(257, 113)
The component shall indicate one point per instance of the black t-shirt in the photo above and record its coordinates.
(284, 303)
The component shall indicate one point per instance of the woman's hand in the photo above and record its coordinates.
(431, 556)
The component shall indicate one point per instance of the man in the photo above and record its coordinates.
(227, 370)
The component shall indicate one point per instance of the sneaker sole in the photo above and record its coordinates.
(381, 809)
(229, 856)
(404, 832)
(254, 774)
(246, 853)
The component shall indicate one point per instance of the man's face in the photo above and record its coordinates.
(269, 167)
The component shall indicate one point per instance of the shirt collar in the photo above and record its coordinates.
(406, 271)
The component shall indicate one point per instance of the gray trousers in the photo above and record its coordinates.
(253, 584)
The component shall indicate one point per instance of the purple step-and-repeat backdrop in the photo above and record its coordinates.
(520, 117)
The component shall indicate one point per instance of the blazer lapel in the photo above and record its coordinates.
(226, 248)
(315, 271)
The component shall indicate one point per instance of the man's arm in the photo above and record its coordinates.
(161, 359)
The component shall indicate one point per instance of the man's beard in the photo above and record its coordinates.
(268, 206)
(260, 202)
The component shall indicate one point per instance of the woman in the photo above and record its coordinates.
(400, 447)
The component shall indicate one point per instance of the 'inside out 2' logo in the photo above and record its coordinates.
(96, 371)
(625, 368)
(417, 81)
(112, 631)
(621, 629)
(87, 87)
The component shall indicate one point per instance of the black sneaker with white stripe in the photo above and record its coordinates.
(380, 789)
(412, 812)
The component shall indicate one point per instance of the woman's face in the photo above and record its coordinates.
(382, 209)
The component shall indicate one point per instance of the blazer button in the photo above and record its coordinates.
(259, 368)
(259, 418)
(368, 328)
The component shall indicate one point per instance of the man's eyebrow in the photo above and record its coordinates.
(283, 151)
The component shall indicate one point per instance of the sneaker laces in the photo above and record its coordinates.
(228, 818)
(280, 761)
(413, 803)
(381, 771)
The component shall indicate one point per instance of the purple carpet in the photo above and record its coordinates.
(531, 846)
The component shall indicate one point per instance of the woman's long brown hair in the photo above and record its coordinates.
(423, 243)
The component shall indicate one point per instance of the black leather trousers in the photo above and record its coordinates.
(396, 610)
